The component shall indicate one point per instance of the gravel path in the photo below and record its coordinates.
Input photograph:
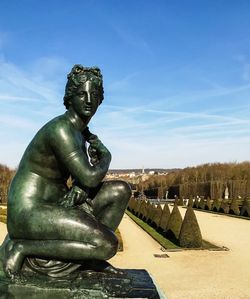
(3, 231)
(192, 274)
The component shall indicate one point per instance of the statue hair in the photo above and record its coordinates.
(79, 75)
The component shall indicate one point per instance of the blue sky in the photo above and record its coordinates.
(176, 76)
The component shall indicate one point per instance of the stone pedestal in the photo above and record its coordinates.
(131, 284)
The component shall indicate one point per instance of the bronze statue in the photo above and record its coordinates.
(53, 229)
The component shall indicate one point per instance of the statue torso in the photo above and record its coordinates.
(40, 166)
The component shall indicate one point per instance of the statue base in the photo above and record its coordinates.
(96, 285)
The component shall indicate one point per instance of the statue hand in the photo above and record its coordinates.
(94, 159)
(74, 197)
(97, 150)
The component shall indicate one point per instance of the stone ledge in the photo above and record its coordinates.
(132, 284)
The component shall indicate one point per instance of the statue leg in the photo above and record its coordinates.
(53, 232)
(110, 203)
(17, 250)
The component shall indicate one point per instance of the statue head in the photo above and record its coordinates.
(78, 77)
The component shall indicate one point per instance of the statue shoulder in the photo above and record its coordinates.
(59, 126)
(62, 137)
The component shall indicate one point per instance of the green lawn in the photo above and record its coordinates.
(165, 243)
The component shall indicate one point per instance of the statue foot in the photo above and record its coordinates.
(94, 266)
(108, 268)
(13, 259)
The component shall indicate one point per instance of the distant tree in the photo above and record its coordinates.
(6, 175)
(208, 180)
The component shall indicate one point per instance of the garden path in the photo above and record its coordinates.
(192, 274)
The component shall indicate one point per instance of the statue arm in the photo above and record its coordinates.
(70, 153)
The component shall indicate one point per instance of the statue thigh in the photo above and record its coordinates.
(52, 222)
(110, 202)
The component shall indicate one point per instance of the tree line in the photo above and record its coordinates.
(6, 174)
(209, 181)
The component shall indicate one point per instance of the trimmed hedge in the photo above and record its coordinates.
(164, 218)
(190, 234)
(174, 224)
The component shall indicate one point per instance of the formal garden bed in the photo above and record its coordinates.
(169, 229)
(231, 207)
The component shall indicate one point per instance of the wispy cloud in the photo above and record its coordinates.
(169, 138)
(10, 98)
(198, 95)
(175, 151)
(21, 80)
(17, 122)
(132, 39)
(40, 85)
(136, 133)
(29, 97)
(121, 84)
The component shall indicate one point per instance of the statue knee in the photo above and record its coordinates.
(123, 191)
(110, 249)
(107, 245)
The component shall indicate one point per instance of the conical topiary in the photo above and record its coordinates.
(145, 213)
(134, 206)
(234, 207)
(142, 209)
(180, 202)
(190, 202)
(245, 209)
(131, 204)
(224, 207)
(174, 224)
(148, 211)
(202, 204)
(137, 207)
(157, 216)
(164, 217)
(190, 234)
(196, 203)
(208, 204)
(151, 213)
(216, 205)
(148, 205)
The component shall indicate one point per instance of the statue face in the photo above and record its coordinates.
(86, 100)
